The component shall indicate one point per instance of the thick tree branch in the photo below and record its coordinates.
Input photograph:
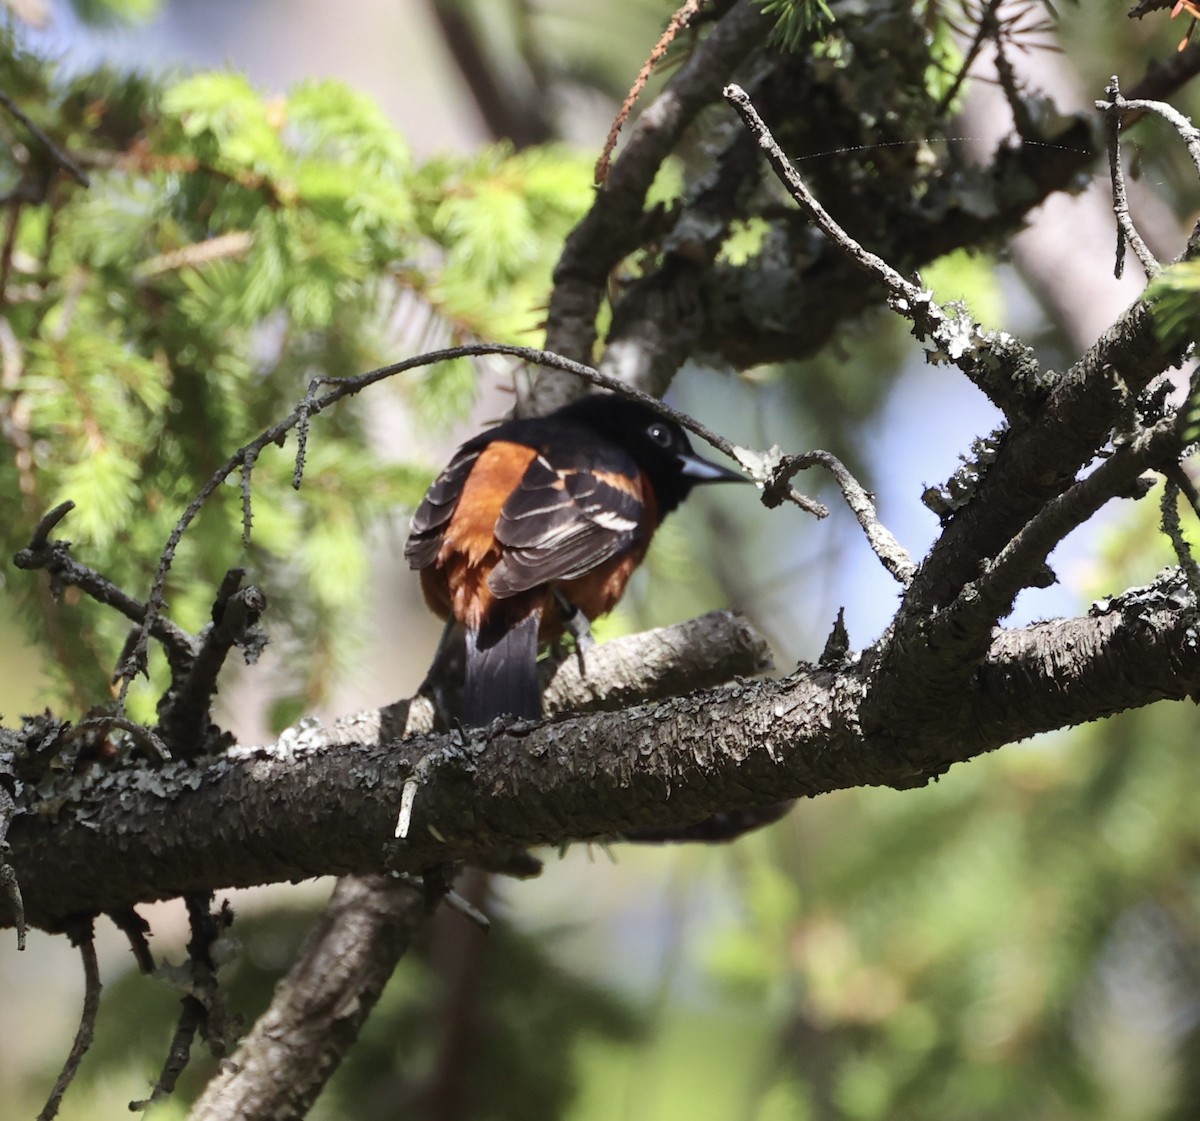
(319, 1008)
(1037, 462)
(378, 915)
(611, 228)
(304, 807)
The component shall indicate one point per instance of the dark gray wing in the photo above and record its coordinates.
(437, 508)
(559, 525)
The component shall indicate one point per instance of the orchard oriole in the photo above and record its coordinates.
(535, 520)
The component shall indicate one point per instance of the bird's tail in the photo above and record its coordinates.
(502, 673)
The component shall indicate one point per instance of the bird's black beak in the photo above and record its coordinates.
(700, 470)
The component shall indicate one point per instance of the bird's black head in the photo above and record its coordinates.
(659, 446)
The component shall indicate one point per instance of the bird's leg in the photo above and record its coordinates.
(575, 622)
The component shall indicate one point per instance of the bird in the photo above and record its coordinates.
(535, 526)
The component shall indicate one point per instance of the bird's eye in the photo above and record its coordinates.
(660, 434)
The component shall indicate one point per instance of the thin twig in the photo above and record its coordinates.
(202, 1007)
(890, 552)
(153, 746)
(984, 30)
(679, 20)
(185, 719)
(133, 661)
(1003, 368)
(83, 937)
(1127, 233)
(1187, 131)
(207, 928)
(1023, 119)
(1173, 528)
(1005, 576)
(135, 928)
(798, 189)
(453, 900)
(247, 504)
(1183, 481)
(178, 1054)
(10, 886)
(57, 154)
(54, 556)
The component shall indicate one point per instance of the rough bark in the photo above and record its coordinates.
(326, 801)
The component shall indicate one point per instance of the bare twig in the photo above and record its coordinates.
(985, 29)
(202, 1009)
(65, 571)
(179, 1052)
(82, 936)
(208, 925)
(798, 189)
(11, 888)
(995, 362)
(993, 593)
(1172, 527)
(247, 505)
(135, 928)
(59, 156)
(1116, 104)
(679, 20)
(1127, 233)
(144, 737)
(1023, 119)
(890, 552)
(185, 721)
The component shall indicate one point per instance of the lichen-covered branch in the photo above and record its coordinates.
(307, 805)
(1005, 370)
(611, 229)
